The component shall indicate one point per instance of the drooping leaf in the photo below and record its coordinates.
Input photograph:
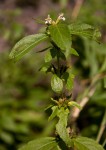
(72, 103)
(84, 143)
(84, 30)
(43, 50)
(25, 45)
(47, 143)
(54, 112)
(56, 84)
(61, 126)
(60, 34)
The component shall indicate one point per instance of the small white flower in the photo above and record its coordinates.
(61, 17)
(48, 20)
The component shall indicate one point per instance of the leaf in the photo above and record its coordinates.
(47, 143)
(72, 103)
(56, 84)
(70, 51)
(25, 45)
(45, 67)
(61, 36)
(84, 30)
(45, 49)
(84, 143)
(54, 112)
(70, 82)
(50, 55)
(62, 124)
(73, 51)
(69, 79)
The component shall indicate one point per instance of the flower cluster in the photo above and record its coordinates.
(49, 20)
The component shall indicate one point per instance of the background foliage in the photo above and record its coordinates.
(24, 92)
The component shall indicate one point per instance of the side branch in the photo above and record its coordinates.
(90, 91)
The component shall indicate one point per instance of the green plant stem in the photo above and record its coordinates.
(58, 64)
(104, 143)
(102, 128)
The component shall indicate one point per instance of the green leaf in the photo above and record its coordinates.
(25, 45)
(56, 84)
(50, 55)
(70, 82)
(43, 50)
(47, 143)
(74, 52)
(70, 51)
(84, 30)
(45, 67)
(69, 79)
(54, 112)
(61, 36)
(84, 143)
(72, 103)
(62, 124)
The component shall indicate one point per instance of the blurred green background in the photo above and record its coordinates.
(25, 92)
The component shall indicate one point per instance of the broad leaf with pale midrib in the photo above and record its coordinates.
(84, 143)
(25, 45)
(85, 30)
(56, 84)
(60, 34)
(50, 55)
(47, 143)
(69, 79)
(61, 126)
